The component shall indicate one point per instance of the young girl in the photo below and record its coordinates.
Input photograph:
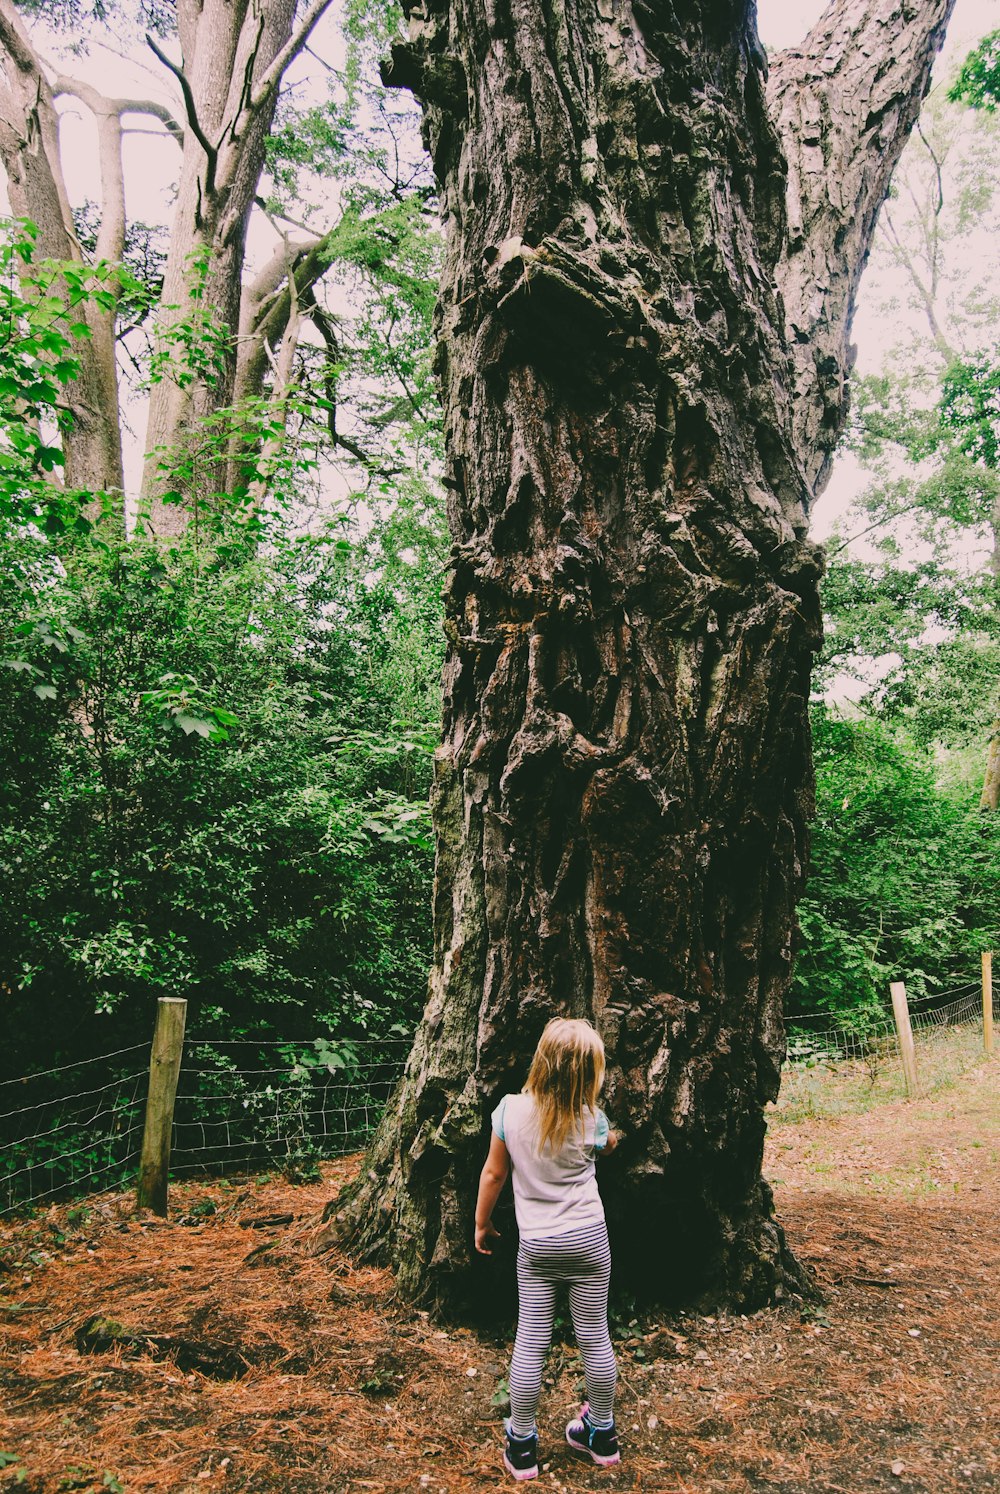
(550, 1135)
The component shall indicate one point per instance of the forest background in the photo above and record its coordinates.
(220, 684)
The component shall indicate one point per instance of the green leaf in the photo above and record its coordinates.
(45, 692)
(189, 724)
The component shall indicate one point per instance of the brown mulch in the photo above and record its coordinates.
(213, 1352)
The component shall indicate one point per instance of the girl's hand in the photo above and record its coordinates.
(485, 1232)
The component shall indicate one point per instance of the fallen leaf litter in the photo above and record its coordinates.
(222, 1355)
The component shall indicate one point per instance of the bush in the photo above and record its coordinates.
(904, 874)
(212, 788)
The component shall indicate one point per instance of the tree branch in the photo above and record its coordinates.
(156, 111)
(844, 103)
(14, 39)
(111, 235)
(211, 151)
(273, 75)
(99, 102)
(904, 258)
(30, 142)
(937, 167)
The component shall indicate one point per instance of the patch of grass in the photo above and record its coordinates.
(831, 1089)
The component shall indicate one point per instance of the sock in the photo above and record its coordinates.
(599, 1426)
(521, 1436)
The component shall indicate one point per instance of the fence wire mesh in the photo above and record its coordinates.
(314, 1104)
(70, 1130)
(835, 1070)
(248, 1105)
(77, 1128)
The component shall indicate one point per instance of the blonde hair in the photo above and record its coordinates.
(565, 1078)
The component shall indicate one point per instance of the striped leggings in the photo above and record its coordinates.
(583, 1259)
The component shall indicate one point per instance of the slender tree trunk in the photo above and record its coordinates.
(622, 791)
(224, 46)
(234, 55)
(989, 801)
(29, 151)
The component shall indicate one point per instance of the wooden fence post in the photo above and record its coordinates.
(988, 1000)
(901, 1013)
(164, 1067)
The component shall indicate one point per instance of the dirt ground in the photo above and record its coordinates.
(213, 1352)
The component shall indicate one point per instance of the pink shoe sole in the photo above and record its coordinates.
(585, 1452)
(520, 1473)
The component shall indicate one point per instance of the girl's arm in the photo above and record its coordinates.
(491, 1181)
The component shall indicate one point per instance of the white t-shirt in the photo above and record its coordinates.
(554, 1192)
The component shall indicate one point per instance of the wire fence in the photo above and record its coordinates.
(73, 1129)
(833, 1070)
(77, 1129)
(251, 1105)
(309, 1105)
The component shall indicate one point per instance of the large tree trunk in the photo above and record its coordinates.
(622, 792)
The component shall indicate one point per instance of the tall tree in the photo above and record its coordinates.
(924, 428)
(233, 59)
(644, 318)
(30, 155)
(231, 341)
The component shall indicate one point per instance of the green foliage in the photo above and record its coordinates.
(904, 867)
(144, 260)
(79, 15)
(305, 143)
(250, 830)
(194, 347)
(370, 27)
(918, 639)
(215, 771)
(42, 310)
(970, 406)
(978, 83)
(904, 877)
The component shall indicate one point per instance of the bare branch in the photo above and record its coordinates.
(937, 167)
(138, 130)
(99, 103)
(111, 236)
(211, 151)
(271, 215)
(905, 259)
(275, 72)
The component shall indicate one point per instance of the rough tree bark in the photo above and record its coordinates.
(644, 323)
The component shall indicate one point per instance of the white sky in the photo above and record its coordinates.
(783, 23)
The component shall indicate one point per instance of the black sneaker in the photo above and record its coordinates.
(584, 1437)
(520, 1454)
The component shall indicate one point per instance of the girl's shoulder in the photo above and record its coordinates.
(512, 1110)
